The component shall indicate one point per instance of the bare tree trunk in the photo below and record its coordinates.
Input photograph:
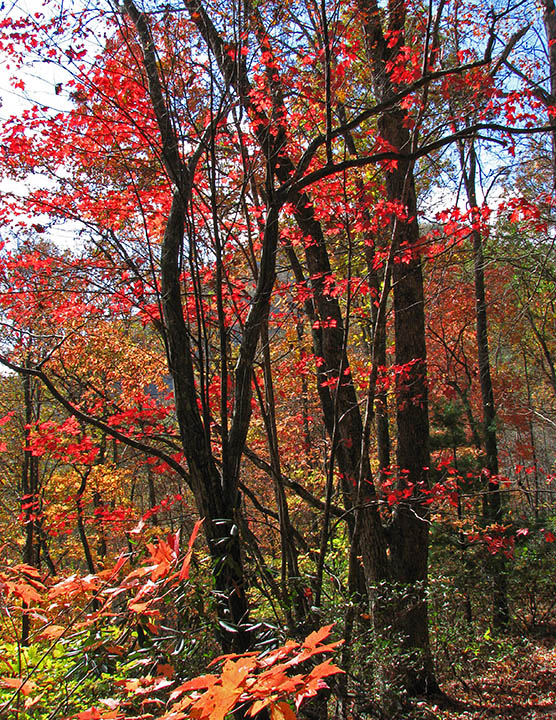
(29, 495)
(492, 506)
(550, 29)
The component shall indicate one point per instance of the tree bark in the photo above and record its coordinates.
(216, 492)
(409, 533)
(493, 498)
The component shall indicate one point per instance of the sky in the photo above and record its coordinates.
(42, 79)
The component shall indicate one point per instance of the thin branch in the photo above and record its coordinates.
(296, 184)
(95, 422)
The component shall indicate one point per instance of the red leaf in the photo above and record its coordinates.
(184, 572)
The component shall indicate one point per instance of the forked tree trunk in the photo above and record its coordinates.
(216, 490)
(342, 417)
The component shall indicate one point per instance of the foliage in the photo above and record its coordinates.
(306, 293)
(113, 651)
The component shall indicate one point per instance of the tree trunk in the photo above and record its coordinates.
(493, 497)
(410, 526)
(29, 496)
(550, 29)
(409, 533)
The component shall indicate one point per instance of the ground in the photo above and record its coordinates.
(519, 685)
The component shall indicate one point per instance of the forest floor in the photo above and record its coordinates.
(520, 684)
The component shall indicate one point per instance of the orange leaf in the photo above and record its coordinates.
(315, 638)
(160, 570)
(90, 714)
(257, 706)
(235, 672)
(282, 711)
(30, 701)
(325, 669)
(52, 632)
(28, 570)
(216, 703)
(199, 683)
(195, 532)
(232, 656)
(305, 654)
(184, 572)
(279, 654)
(26, 592)
(25, 687)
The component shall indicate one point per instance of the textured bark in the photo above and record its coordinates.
(410, 527)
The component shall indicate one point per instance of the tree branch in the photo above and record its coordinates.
(95, 422)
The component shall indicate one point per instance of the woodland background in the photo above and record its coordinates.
(277, 291)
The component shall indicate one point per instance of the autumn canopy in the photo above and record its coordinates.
(277, 307)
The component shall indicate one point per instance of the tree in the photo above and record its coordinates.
(204, 151)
